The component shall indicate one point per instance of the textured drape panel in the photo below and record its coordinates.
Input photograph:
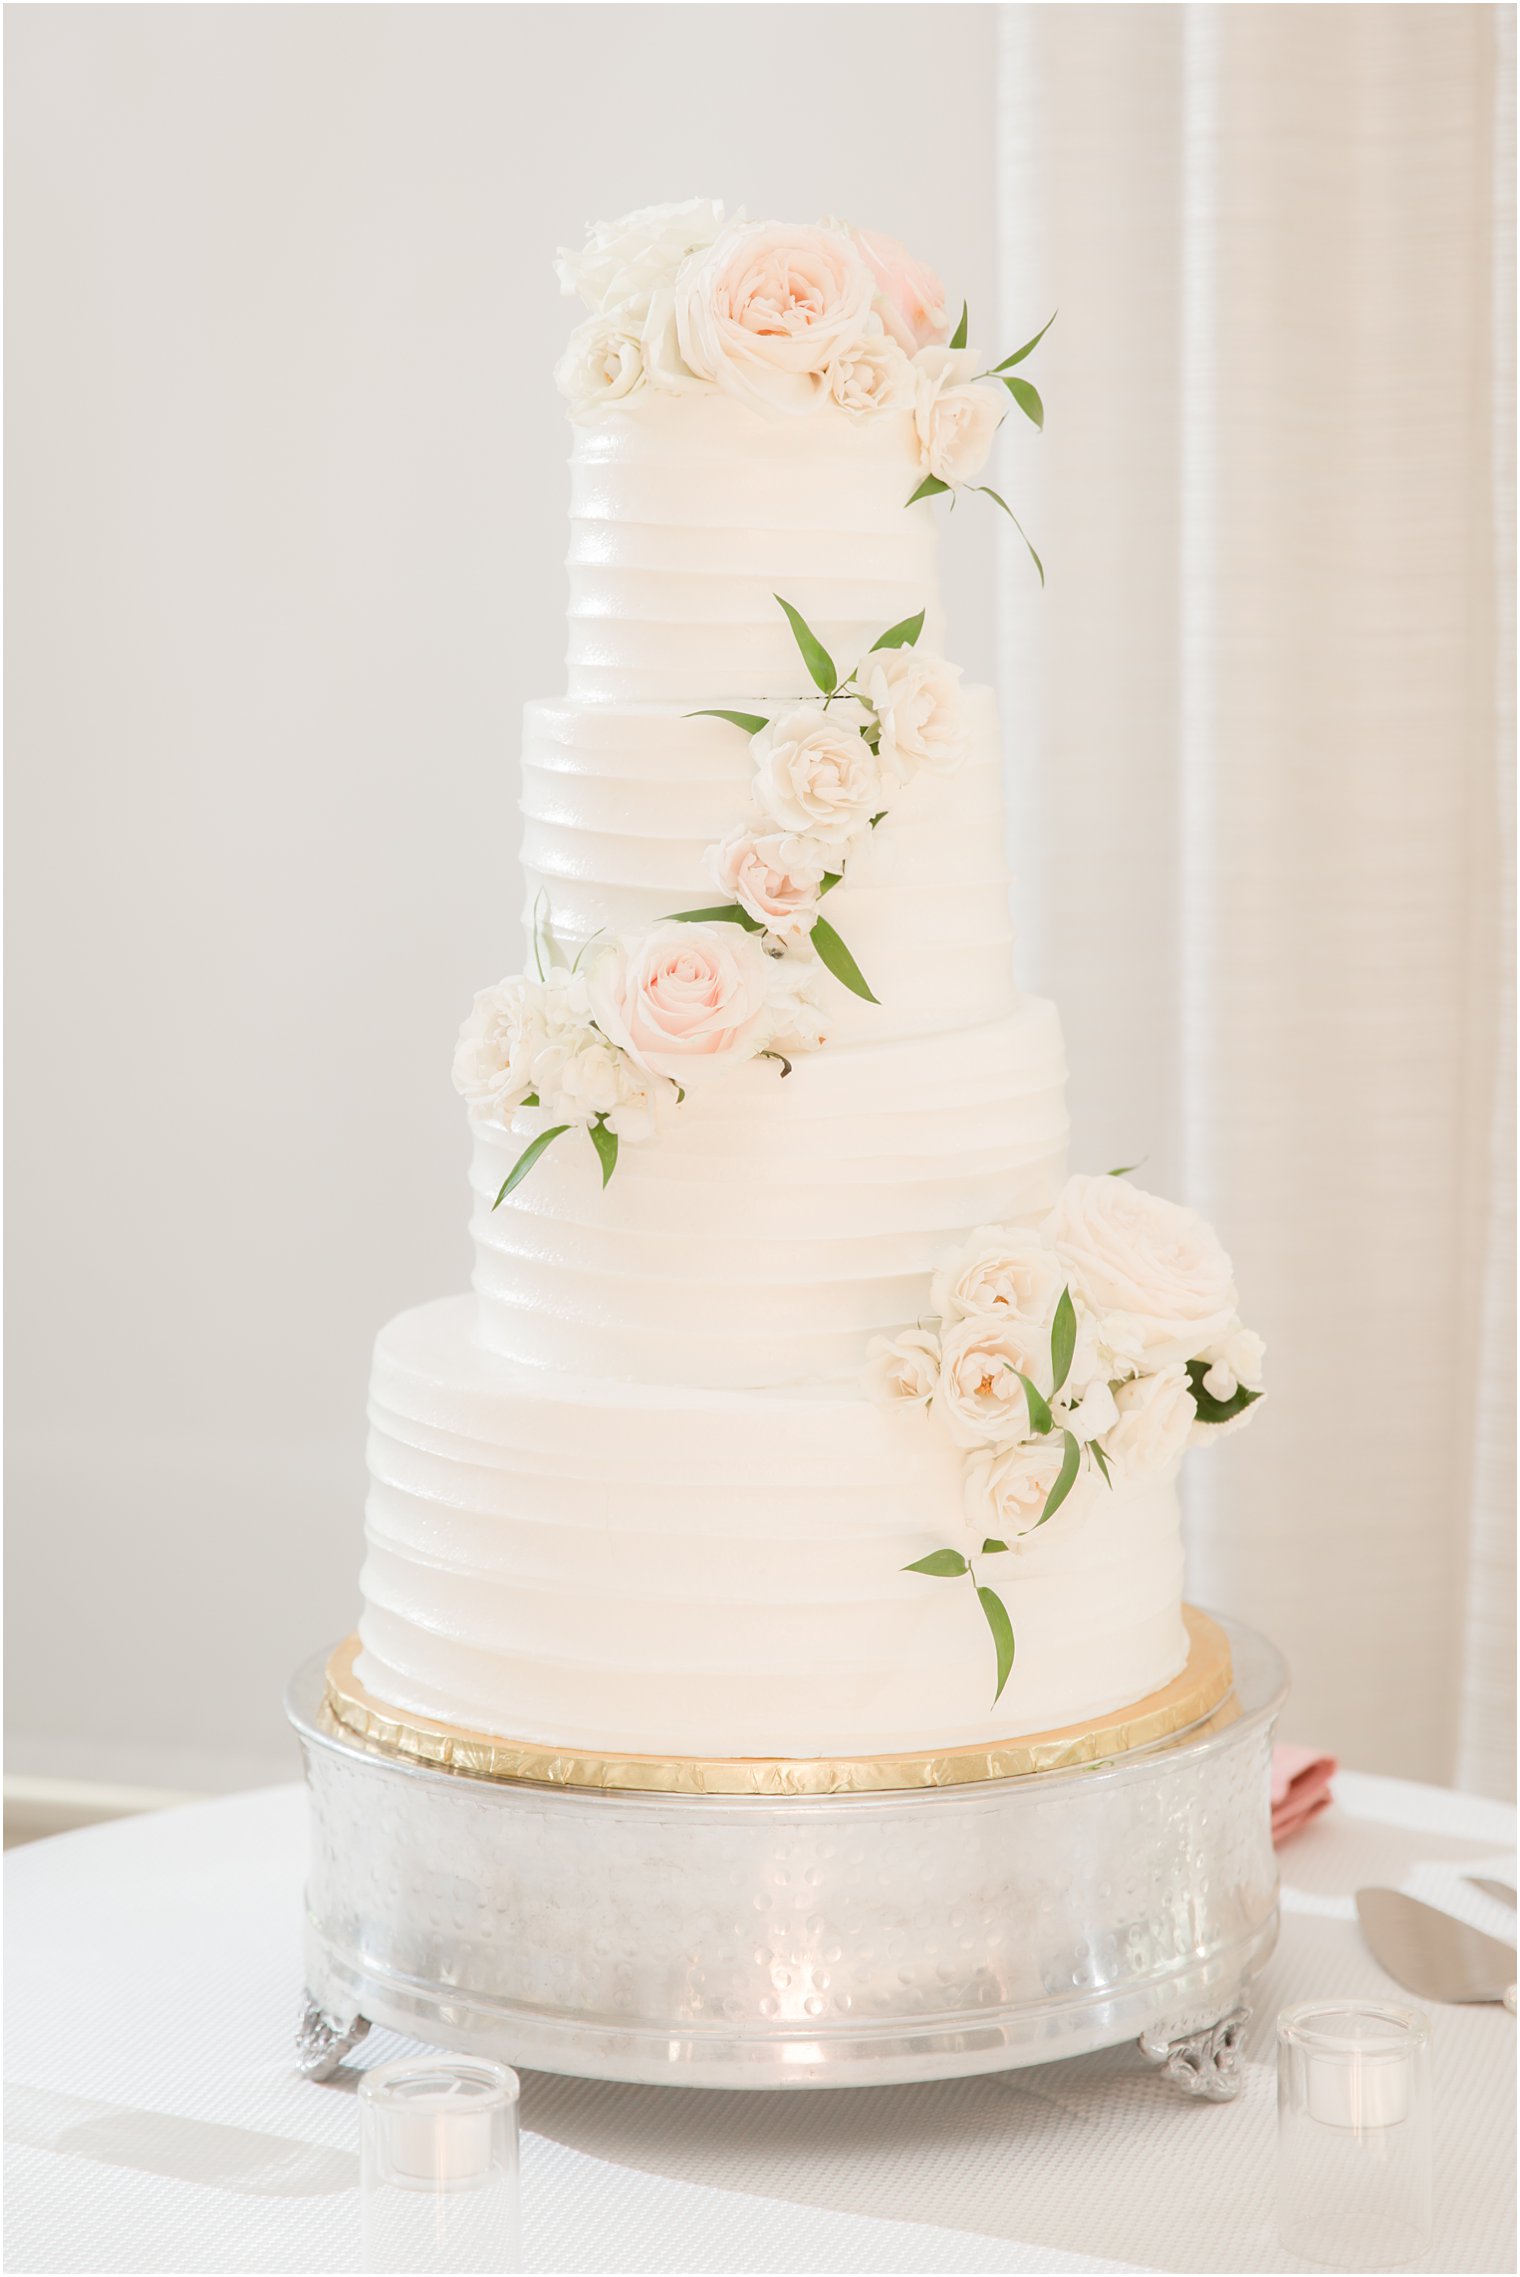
(1262, 738)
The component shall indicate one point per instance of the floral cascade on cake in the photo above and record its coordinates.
(1105, 1340)
(784, 1308)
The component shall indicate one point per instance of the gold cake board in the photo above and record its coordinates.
(1202, 1690)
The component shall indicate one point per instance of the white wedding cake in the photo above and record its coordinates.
(804, 1407)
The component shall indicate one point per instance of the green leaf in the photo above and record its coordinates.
(526, 1160)
(1063, 1341)
(1026, 396)
(726, 913)
(901, 636)
(814, 655)
(751, 722)
(1101, 1460)
(530, 1099)
(1002, 1636)
(1066, 1478)
(943, 1564)
(1040, 1418)
(828, 881)
(1211, 1410)
(930, 487)
(606, 1144)
(833, 953)
(1125, 1168)
(958, 338)
(991, 1545)
(1029, 346)
(876, 818)
(1013, 518)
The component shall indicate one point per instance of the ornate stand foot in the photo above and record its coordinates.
(323, 2040)
(1204, 2062)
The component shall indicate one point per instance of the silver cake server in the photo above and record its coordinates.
(1431, 1953)
(1499, 1890)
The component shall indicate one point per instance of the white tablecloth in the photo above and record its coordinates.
(154, 2120)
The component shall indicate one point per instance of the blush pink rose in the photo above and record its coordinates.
(683, 998)
(768, 308)
(773, 875)
(910, 300)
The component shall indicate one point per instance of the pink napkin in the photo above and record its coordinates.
(1300, 1789)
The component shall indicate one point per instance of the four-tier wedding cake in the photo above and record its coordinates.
(804, 1406)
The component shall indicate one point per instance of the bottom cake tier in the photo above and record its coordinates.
(619, 1567)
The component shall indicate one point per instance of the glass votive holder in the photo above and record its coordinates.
(1353, 2133)
(438, 2166)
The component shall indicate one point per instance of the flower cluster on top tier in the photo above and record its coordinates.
(1108, 1336)
(785, 317)
(826, 774)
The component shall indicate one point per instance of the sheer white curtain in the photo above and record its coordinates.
(1261, 740)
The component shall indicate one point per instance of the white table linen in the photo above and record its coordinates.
(154, 2120)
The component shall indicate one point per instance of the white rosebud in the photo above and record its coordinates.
(904, 1367)
(1219, 1383)
(874, 375)
(916, 697)
(955, 421)
(603, 362)
(816, 775)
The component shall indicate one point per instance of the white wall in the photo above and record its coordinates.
(285, 517)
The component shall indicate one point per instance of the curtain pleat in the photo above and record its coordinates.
(1261, 761)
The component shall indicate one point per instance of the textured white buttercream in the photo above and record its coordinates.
(689, 513)
(632, 1495)
(710, 1573)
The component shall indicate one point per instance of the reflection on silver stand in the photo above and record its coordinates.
(814, 1941)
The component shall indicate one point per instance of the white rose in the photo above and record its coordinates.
(493, 1061)
(955, 421)
(874, 375)
(981, 1398)
(999, 1269)
(1152, 1272)
(904, 1367)
(683, 1000)
(774, 876)
(1156, 1415)
(630, 259)
(1006, 1488)
(816, 775)
(603, 362)
(768, 308)
(917, 698)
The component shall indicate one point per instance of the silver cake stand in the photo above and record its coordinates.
(816, 1941)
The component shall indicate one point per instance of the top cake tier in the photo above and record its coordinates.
(690, 513)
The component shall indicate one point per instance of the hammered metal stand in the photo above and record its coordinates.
(798, 1941)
